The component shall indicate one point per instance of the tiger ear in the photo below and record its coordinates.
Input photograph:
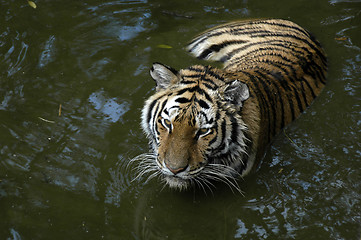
(163, 75)
(236, 92)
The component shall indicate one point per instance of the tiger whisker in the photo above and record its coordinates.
(164, 184)
(151, 176)
(146, 164)
(199, 184)
(229, 182)
(207, 183)
(216, 171)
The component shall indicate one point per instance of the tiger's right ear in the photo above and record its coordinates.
(163, 75)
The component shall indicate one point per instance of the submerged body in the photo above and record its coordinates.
(206, 123)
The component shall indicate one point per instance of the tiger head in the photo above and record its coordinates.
(194, 126)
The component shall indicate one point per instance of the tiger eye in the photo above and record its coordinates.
(167, 123)
(203, 131)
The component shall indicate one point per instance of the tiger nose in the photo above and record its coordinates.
(177, 169)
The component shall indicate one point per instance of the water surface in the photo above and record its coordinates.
(73, 79)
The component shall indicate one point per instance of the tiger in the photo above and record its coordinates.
(207, 124)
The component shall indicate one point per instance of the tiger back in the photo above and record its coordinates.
(206, 123)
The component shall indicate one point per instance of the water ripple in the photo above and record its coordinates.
(48, 54)
(16, 53)
(112, 110)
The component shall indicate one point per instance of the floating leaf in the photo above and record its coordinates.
(341, 38)
(32, 4)
(60, 110)
(164, 46)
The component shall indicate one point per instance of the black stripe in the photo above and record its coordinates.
(201, 77)
(215, 75)
(234, 130)
(283, 57)
(267, 43)
(163, 104)
(317, 75)
(235, 29)
(223, 134)
(308, 69)
(154, 124)
(258, 32)
(323, 79)
(188, 82)
(255, 32)
(202, 103)
(213, 139)
(204, 70)
(242, 28)
(262, 101)
(317, 50)
(303, 92)
(210, 87)
(207, 80)
(257, 89)
(237, 50)
(271, 100)
(218, 47)
(280, 80)
(206, 95)
(150, 108)
(193, 89)
(288, 69)
(290, 102)
(215, 136)
(156, 128)
(287, 27)
(183, 100)
(299, 103)
(295, 27)
(309, 86)
(170, 109)
(193, 76)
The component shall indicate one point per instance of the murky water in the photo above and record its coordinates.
(73, 78)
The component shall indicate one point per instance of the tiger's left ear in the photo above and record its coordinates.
(163, 75)
(236, 92)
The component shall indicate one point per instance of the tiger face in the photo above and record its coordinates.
(193, 131)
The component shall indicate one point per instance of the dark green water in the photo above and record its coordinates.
(65, 177)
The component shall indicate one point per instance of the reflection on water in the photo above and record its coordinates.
(16, 53)
(48, 53)
(112, 110)
(120, 182)
(64, 174)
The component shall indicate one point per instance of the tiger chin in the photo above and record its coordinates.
(206, 124)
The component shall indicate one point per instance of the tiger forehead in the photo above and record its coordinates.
(190, 107)
(203, 76)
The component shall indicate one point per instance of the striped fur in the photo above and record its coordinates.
(206, 123)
